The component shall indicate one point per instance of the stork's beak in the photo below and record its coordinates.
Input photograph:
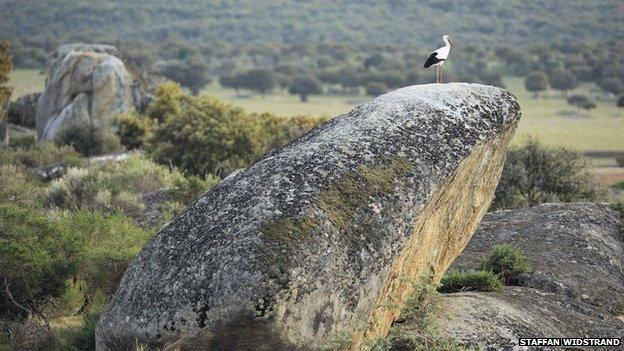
(450, 42)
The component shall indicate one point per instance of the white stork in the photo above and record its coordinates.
(438, 57)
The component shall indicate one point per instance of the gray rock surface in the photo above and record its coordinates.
(575, 249)
(576, 288)
(84, 84)
(495, 321)
(324, 236)
(23, 111)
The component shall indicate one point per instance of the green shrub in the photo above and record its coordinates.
(189, 188)
(508, 262)
(204, 136)
(36, 259)
(116, 186)
(84, 338)
(89, 139)
(132, 130)
(108, 244)
(469, 281)
(22, 140)
(535, 174)
(41, 155)
(17, 188)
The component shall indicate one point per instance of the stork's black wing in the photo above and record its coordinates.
(432, 60)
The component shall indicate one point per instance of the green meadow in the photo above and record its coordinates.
(549, 118)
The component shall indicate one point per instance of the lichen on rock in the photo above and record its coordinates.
(312, 240)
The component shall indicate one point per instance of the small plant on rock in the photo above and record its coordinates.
(508, 262)
(470, 281)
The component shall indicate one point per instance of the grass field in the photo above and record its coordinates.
(602, 129)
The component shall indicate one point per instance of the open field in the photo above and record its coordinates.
(602, 129)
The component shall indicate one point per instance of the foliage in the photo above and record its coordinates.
(166, 103)
(581, 101)
(89, 138)
(620, 101)
(189, 188)
(535, 174)
(611, 84)
(376, 88)
(260, 80)
(42, 154)
(206, 136)
(107, 245)
(304, 86)
(132, 130)
(17, 188)
(113, 187)
(536, 82)
(84, 338)
(191, 73)
(36, 259)
(469, 281)
(6, 65)
(562, 80)
(508, 262)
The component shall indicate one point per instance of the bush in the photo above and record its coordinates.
(204, 136)
(108, 244)
(581, 101)
(304, 86)
(89, 139)
(17, 188)
(620, 101)
(536, 82)
(188, 189)
(22, 140)
(508, 262)
(469, 281)
(535, 174)
(132, 130)
(562, 80)
(376, 88)
(113, 187)
(41, 155)
(84, 338)
(36, 259)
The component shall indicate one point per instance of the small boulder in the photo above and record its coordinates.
(23, 111)
(324, 236)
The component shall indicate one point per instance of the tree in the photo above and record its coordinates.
(620, 102)
(536, 82)
(191, 73)
(562, 80)
(534, 174)
(304, 86)
(611, 84)
(581, 101)
(5, 92)
(261, 80)
(376, 88)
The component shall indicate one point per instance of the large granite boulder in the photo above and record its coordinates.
(575, 289)
(325, 236)
(23, 111)
(84, 84)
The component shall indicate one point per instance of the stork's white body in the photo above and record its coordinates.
(438, 58)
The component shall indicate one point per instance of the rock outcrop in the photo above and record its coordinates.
(325, 236)
(575, 289)
(575, 249)
(84, 84)
(23, 111)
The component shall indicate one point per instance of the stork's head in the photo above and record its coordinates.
(447, 39)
